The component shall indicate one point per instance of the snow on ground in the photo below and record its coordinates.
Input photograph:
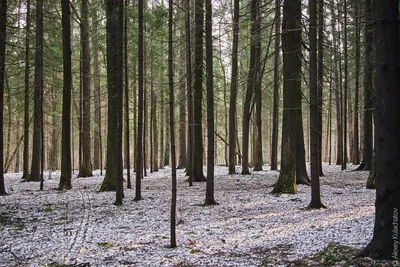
(83, 226)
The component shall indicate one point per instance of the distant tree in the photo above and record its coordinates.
(320, 76)
(197, 161)
(65, 180)
(368, 87)
(114, 27)
(189, 169)
(139, 135)
(275, 109)
(38, 101)
(126, 99)
(3, 22)
(25, 168)
(171, 121)
(356, 150)
(385, 240)
(291, 47)
(210, 200)
(251, 84)
(345, 87)
(85, 166)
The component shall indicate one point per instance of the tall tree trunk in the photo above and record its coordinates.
(189, 169)
(197, 160)
(65, 180)
(251, 84)
(139, 141)
(301, 171)
(97, 104)
(114, 27)
(210, 200)
(171, 121)
(356, 151)
(291, 47)
(3, 22)
(25, 168)
(126, 94)
(234, 89)
(368, 87)
(314, 109)
(385, 240)
(53, 160)
(320, 84)
(38, 101)
(154, 127)
(85, 167)
(275, 109)
(167, 150)
(344, 162)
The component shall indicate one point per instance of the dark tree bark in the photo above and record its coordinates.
(371, 181)
(189, 169)
(97, 106)
(210, 200)
(114, 27)
(139, 135)
(154, 160)
(275, 109)
(345, 87)
(320, 74)
(38, 101)
(85, 166)
(54, 152)
(3, 22)
(197, 160)
(25, 168)
(291, 47)
(126, 95)
(356, 151)
(315, 187)
(234, 89)
(66, 171)
(368, 87)
(385, 240)
(301, 171)
(171, 121)
(250, 87)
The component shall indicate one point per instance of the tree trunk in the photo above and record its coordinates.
(97, 104)
(385, 240)
(301, 171)
(320, 84)
(139, 141)
(368, 88)
(314, 110)
(171, 122)
(344, 160)
(210, 200)
(291, 47)
(251, 85)
(356, 151)
(275, 109)
(197, 161)
(3, 22)
(234, 89)
(25, 168)
(65, 180)
(38, 101)
(114, 27)
(126, 84)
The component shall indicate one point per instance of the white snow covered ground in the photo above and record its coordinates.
(83, 226)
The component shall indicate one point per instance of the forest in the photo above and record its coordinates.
(199, 132)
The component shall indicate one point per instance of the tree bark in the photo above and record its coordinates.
(97, 104)
(234, 89)
(197, 160)
(320, 84)
(291, 47)
(38, 101)
(275, 109)
(65, 180)
(3, 22)
(385, 240)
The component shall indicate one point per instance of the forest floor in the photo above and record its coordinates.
(249, 227)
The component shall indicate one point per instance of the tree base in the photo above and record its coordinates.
(107, 186)
(257, 169)
(136, 199)
(316, 206)
(375, 251)
(303, 180)
(245, 172)
(363, 167)
(210, 202)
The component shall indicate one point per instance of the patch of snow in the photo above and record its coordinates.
(83, 226)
